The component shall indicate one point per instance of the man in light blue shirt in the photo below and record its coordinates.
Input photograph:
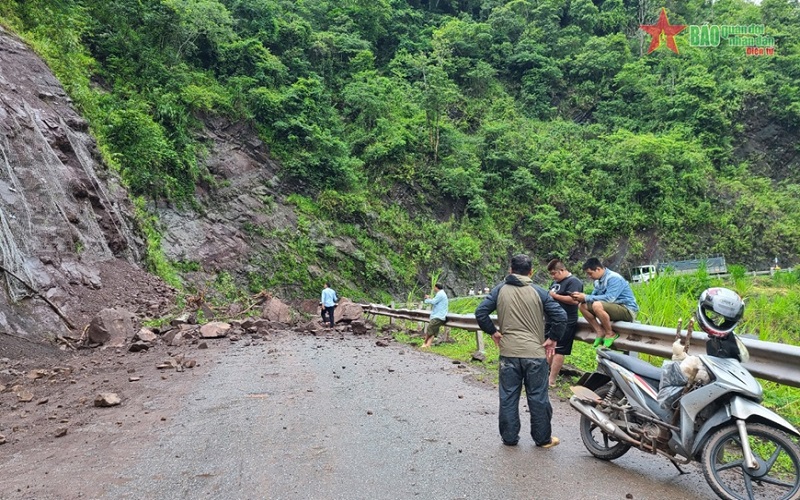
(438, 314)
(327, 303)
(611, 300)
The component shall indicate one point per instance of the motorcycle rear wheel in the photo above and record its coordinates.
(600, 444)
(778, 457)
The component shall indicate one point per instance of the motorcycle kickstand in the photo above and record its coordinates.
(681, 471)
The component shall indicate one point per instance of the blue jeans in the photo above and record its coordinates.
(532, 373)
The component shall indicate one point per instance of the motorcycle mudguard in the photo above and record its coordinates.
(742, 409)
(593, 380)
(747, 410)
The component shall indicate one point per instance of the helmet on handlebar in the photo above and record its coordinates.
(719, 310)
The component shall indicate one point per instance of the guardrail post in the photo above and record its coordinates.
(479, 341)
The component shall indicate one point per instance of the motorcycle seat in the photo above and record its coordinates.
(636, 365)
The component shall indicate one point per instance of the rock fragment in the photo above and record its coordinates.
(106, 399)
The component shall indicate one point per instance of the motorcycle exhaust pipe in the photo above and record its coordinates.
(600, 419)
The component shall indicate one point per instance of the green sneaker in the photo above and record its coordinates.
(608, 341)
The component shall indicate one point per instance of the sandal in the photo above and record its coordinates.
(610, 340)
(597, 342)
(553, 442)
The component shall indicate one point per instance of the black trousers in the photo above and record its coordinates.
(329, 312)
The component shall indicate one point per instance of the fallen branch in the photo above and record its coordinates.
(258, 298)
(55, 307)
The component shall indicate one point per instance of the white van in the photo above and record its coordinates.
(642, 274)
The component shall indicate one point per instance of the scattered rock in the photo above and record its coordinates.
(111, 326)
(202, 345)
(146, 335)
(359, 327)
(183, 319)
(234, 310)
(61, 432)
(37, 374)
(107, 399)
(478, 356)
(139, 346)
(214, 330)
(275, 310)
(23, 396)
(382, 343)
(308, 306)
(348, 311)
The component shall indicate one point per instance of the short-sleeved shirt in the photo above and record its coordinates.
(566, 287)
(440, 305)
(328, 297)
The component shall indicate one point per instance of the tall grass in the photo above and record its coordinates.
(772, 303)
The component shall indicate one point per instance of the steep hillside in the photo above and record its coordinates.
(67, 235)
(275, 145)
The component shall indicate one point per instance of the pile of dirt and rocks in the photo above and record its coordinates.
(50, 389)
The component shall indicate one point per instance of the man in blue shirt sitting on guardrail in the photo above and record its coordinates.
(611, 300)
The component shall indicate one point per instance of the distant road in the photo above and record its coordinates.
(302, 417)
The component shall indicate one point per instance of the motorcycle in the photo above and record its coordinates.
(746, 451)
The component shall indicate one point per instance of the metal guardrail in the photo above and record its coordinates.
(768, 360)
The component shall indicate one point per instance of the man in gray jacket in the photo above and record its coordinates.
(531, 323)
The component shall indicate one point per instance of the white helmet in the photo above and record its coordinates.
(719, 311)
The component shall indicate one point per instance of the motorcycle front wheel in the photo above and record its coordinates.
(600, 444)
(777, 476)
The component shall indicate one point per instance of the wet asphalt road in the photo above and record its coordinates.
(303, 417)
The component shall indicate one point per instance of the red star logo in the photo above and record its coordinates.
(663, 27)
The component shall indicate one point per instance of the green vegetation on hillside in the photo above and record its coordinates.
(451, 133)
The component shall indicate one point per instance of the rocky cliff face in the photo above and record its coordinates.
(242, 206)
(67, 231)
(66, 225)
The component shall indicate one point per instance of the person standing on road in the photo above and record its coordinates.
(561, 289)
(531, 323)
(441, 305)
(611, 300)
(327, 303)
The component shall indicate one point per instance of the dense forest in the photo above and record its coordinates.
(445, 134)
